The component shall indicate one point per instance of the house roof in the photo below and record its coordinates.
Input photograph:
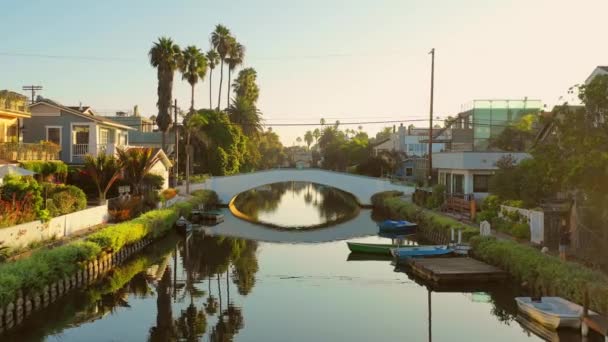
(162, 156)
(82, 112)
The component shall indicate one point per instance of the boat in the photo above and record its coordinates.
(397, 226)
(371, 248)
(552, 312)
(420, 251)
(207, 215)
(183, 226)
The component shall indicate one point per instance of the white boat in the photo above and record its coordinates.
(552, 312)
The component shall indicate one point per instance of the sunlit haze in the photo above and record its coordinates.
(349, 61)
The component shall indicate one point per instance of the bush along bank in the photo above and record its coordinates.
(30, 284)
(431, 226)
(545, 274)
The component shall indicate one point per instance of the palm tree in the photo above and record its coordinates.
(165, 56)
(192, 125)
(104, 170)
(212, 59)
(193, 66)
(299, 140)
(308, 138)
(136, 164)
(246, 115)
(322, 122)
(235, 57)
(221, 40)
(316, 134)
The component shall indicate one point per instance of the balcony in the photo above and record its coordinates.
(13, 151)
(13, 105)
(81, 150)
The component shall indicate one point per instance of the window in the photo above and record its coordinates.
(409, 171)
(103, 136)
(53, 134)
(458, 184)
(81, 134)
(481, 183)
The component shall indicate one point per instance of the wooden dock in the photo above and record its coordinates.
(596, 323)
(455, 270)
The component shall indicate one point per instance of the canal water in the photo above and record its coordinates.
(276, 286)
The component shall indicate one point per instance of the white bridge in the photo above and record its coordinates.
(362, 187)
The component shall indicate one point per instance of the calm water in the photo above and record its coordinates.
(297, 205)
(219, 288)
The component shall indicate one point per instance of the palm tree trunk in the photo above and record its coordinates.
(219, 95)
(191, 100)
(210, 82)
(228, 95)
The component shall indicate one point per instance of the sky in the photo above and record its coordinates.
(353, 61)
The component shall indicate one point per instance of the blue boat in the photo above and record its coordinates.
(420, 251)
(402, 227)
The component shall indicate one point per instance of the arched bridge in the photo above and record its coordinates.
(361, 187)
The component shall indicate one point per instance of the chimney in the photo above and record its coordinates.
(80, 106)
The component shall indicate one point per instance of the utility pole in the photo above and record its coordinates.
(176, 131)
(430, 171)
(33, 89)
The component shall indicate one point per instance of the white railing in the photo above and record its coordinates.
(80, 149)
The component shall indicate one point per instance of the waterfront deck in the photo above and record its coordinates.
(455, 270)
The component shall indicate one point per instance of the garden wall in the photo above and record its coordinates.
(60, 226)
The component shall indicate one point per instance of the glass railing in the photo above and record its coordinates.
(11, 151)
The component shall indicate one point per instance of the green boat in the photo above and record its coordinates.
(371, 248)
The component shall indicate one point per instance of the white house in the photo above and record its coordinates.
(468, 173)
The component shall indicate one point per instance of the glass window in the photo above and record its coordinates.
(53, 134)
(459, 184)
(409, 171)
(481, 183)
(103, 136)
(81, 135)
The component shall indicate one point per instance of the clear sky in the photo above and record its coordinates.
(353, 60)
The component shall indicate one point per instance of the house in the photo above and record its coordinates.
(598, 71)
(469, 160)
(162, 167)
(13, 111)
(78, 130)
(144, 132)
(412, 141)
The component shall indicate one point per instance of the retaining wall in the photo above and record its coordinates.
(58, 227)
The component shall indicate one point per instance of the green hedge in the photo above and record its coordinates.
(390, 203)
(47, 266)
(566, 279)
(46, 168)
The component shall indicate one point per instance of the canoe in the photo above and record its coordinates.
(371, 248)
(397, 226)
(420, 251)
(552, 312)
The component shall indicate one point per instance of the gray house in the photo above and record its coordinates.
(78, 130)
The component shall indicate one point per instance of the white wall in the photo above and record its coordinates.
(361, 187)
(473, 160)
(160, 169)
(23, 234)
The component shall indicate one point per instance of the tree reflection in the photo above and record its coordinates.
(164, 329)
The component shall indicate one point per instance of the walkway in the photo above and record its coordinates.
(361, 187)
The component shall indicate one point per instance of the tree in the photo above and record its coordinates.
(221, 40)
(308, 138)
(316, 134)
(193, 125)
(322, 121)
(193, 66)
(165, 56)
(235, 57)
(104, 170)
(299, 140)
(245, 85)
(136, 163)
(246, 115)
(212, 59)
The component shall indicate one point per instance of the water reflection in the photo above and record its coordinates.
(296, 205)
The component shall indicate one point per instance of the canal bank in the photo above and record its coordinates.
(543, 274)
(31, 284)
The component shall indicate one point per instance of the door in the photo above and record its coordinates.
(459, 184)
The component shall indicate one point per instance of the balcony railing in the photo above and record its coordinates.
(12, 151)
(80, 150)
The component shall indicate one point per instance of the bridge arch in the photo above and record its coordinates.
(362, 187)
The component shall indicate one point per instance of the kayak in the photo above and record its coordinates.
(371, 248)
(420, 251)
(397, 226)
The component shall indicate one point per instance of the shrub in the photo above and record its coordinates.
(569, 280)
(26, 191)
(168, 194)
(13, 212)
(64, 199)
(521, 231)
(45, 169)
(437, 197)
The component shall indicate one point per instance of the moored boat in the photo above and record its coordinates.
(552, 312)
(371, 248)
(420, 251)
(389, 226)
